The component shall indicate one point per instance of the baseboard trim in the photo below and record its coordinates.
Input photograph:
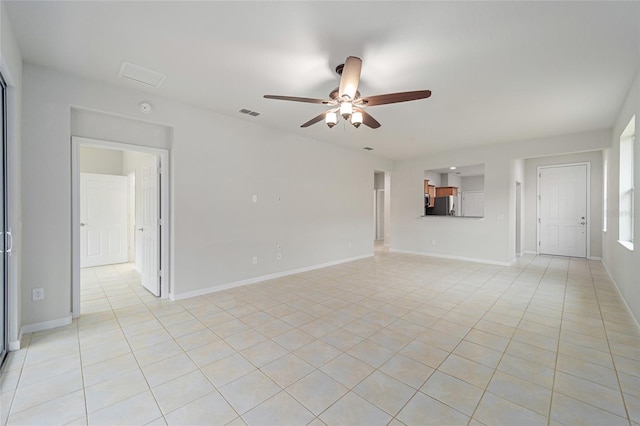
(254, 280)
(595, 258)
(14, 345)
(46, 325)
(635, 320)
(530, 252)
(446, 256)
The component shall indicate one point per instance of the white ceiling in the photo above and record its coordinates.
(463, 171)
(499, 71)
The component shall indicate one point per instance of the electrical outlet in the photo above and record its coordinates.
(254, 260)
(254, 198)
(278, 246)
(37, 294)
(279, 256)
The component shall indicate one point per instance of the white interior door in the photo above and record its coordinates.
(149, 231)
(131, 216)
(472, 204)
(562, 204)
(103, 219)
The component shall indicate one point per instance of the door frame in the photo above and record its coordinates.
(5, 230)
(588, 197)
(165, 223)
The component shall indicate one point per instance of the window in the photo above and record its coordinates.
(626, 209)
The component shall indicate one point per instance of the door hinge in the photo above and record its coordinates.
(159, 272)
(538, 220)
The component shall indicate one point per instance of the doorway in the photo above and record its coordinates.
(563, 205)
(106, 228)
(5, 232)
(379, 214)
(518, 219)
(381, 210)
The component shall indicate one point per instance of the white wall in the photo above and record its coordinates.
(594, 158)
(623, 264)
(101, 161)
(453, 180)
(472, 183)
(491, 238)
(433, 178)
(217, 164)
(11, 68)
(115, 128)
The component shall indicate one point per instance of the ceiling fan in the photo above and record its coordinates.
(346, 99)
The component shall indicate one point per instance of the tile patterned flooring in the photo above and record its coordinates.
(393, 339)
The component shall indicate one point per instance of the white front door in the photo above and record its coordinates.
(149, 231)
(562, 201)
(103, 219)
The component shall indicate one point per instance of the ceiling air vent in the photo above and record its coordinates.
(141, 75)
(249, 112)
(368, 148)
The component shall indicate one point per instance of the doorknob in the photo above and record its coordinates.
(82, 224)
(582, 223)
(140, 229)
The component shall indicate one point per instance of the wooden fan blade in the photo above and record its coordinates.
(367, 119)
(350, 77)
(392, 98)
(314, 120)
(297, 99)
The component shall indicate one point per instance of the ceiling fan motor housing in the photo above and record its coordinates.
(335, 92)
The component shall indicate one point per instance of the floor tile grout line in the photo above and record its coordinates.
(613, 361)
(555, 365)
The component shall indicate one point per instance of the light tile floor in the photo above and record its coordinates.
(394, 339)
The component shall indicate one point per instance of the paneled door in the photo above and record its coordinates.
(103, 219)
(562, 204)
(150, 229)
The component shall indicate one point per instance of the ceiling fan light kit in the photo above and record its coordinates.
(346, 108)
(346, 99)
(356, 119)
(331, 118)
